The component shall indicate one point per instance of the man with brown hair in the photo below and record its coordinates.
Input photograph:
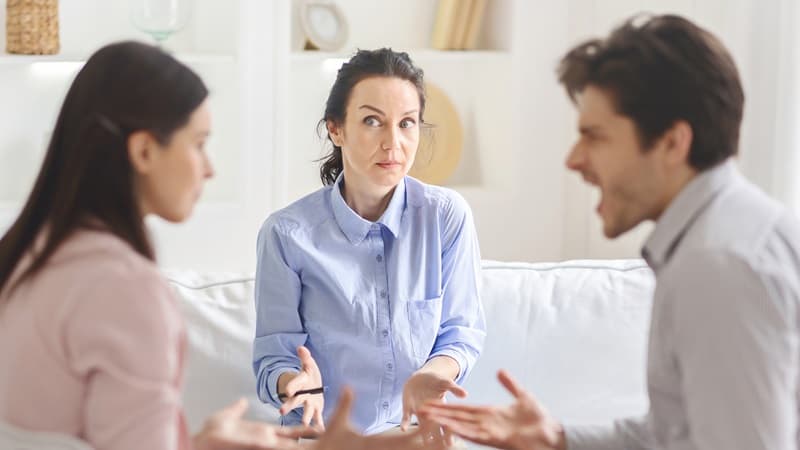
(660, 105)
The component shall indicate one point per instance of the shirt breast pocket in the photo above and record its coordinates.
(424, 317)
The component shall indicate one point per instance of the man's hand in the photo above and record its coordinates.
(524, 424)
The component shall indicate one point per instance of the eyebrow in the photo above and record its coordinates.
(383, 113)
(594, 129)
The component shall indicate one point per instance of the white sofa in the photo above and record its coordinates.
(574, 334)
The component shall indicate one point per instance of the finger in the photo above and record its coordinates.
(404, 424)
(308, 414)
(298, 432)
(510, 384)
(460, 416)
(233, 411)
(447, 436)
(469, 432)
(259, 436)
(306, 360)
(438, 407)
(297, 383)
(455, 389)
(342, 412)
(318, 419)
(292, 403)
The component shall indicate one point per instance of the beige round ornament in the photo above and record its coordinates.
(440, 145)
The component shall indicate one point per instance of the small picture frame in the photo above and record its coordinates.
(324, 25)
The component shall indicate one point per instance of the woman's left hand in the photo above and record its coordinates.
(428, 385)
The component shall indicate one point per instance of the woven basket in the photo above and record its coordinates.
(32, 27)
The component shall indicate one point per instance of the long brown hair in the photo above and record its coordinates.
(86, 176)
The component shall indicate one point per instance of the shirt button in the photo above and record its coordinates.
(379, 258)
(389, 366)
(383, 294)
(385, 333)
(385, 405)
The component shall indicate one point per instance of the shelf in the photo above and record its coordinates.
(418, 55)
(7, 59)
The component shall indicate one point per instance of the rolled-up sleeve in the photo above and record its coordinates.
(462, 330)
(279, 330)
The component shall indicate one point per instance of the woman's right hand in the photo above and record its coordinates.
(226, 430)
(309, 377)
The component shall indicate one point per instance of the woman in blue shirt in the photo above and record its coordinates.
(371, 281)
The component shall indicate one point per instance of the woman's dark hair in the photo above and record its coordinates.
(86, 179)
(660, 71)
(383, 62)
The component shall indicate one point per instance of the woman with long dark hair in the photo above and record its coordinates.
(91, 337)
(373, 279)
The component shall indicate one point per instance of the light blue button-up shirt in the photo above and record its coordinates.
(372, 301)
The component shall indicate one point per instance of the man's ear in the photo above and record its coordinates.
(335, 132)
(677, 141)
(141, 148)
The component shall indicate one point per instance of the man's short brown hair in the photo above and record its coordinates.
(660, 71)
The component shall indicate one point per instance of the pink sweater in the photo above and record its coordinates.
(92, 346)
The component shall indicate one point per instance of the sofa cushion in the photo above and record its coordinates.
(573, 333)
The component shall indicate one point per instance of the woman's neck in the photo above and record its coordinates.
(369, 205)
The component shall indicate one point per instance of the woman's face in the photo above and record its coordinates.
(380, 133)
(170, 177)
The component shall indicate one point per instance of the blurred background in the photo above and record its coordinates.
(514, 121)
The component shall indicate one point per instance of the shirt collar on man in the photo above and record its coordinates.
(356, 227)
(682, 211)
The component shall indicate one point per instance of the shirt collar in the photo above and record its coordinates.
(356, 227)
(683, 209)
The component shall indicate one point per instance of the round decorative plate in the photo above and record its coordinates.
(440, 145)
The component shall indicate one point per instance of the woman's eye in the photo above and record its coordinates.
(407, 123)
(371, 121)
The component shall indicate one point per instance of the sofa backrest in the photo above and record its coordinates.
(573, 333)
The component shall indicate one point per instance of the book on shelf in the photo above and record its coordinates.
(457, 24)
(473, 28)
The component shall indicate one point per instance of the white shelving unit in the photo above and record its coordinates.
(80, 58)
(477, 82)
(229, 46)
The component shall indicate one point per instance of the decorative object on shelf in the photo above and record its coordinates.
(324, 25)
(32, 27)
(457, 24)
(160, 18)
(441, 145)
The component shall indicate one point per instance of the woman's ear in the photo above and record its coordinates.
(335, 132)
(140, 151)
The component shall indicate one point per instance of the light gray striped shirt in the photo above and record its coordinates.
(723, 357)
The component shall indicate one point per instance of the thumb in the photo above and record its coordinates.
(233, 411)
(306, 360)
(406, 422)
(342, 413)
(510, 384)
(455, 389)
